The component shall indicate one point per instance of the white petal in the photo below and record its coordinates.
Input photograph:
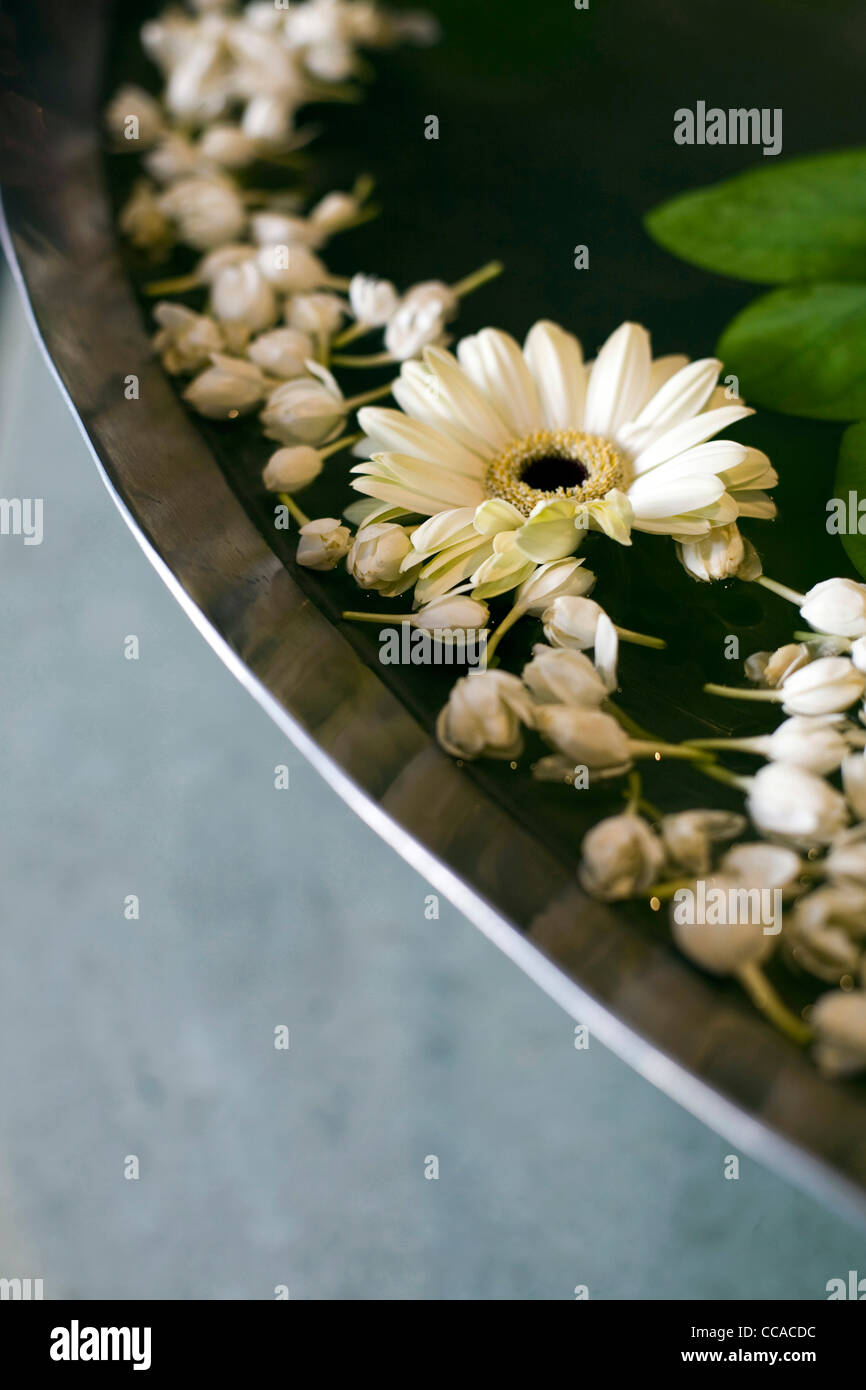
(651, 502)
(494, 362)
(392, 430)
(617, 384)
(555, 359)
(681, 397)
(689, 433)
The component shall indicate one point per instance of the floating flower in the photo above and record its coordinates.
(228, 388)
(819, 743)
(563, 677)
(620, 858)
(789, 803)
(716, 943)
(134, 118)
(827, 685)
(373, 301)
(585, 737)
(837, 606)
(292, 468)
(376, 556)
(307, 410)
(825, 931)
(323, 543)
(722, 554)
(690, 837)
(484, 715)
(186, 341)
(283, 352)
(241, 296)
(536, 429)
(208, 211)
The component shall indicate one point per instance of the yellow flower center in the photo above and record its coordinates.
(551, 464)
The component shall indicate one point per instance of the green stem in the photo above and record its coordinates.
(633, 789)
(175, 284)
(718, 773)
(652, 748)
(345, 443)
(731, 692)
(765, 998)
(300, 517)
(640, 639)
(477, 278)
(377, 617)
(352, 402)
(373, 359)
(781, 589)
(665, 891)
(736, 745)
(348, 335)
(338, 282)
(507, 622)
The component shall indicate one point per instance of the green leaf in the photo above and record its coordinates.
(803, 219)
(851, 478)
(802, 351)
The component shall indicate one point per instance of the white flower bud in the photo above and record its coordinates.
(283, 352)
(267, 118)
(571, 621)
(292, 468)
(291, 268)
(858, 653)
(320, 315)
(229, 388)
(689, 837)
(335, 211)
(282, 229)
(839, 1021)
(552, 581)
(772, 669)
(308, 410)
(761, 865)
(854, 782)
(483, 716)
(847, 858)
(186, 340)
(826, 686)
(228, 146)
(817, 743)
(373, 301)
(564, 677)
(420, 319)
(721, 554)
(241, 295)
(208, 212)
(173, 157)
(376, 556)
(235, 253)
(323, 543)
(620, 858)
(837, 606)
(721, 947)
(134, 101)
(452, 613)
(142, 220)
(788, 803)
(587, 737)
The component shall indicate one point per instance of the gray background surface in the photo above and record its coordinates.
(409, 1037)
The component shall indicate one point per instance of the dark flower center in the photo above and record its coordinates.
(553, 471)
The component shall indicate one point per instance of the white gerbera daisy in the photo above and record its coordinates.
(513, 455)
